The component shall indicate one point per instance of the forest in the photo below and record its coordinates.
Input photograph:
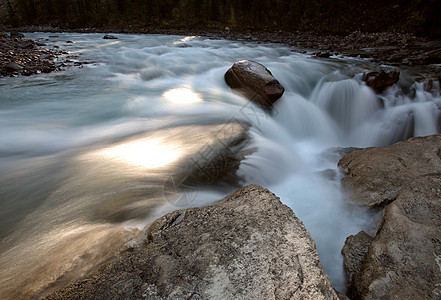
(422, 17)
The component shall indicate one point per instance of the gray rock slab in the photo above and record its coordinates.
(404, 259)
(375, 176)
(247, 246)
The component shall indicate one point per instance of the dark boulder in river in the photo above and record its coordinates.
(247, 246)
(375, 176)
(381, 79)
(110, 37)
(255, 81)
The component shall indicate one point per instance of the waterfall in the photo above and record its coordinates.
(80, 149)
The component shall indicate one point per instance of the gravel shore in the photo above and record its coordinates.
(19, 56)
(26, 57)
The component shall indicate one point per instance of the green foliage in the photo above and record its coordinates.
(324, 16)
(13, 16)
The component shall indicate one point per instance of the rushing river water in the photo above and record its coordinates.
(85, 153)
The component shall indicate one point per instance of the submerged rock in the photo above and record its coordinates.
(255, 81)
(405, 126)
(220, 157)
(200, 155)
(247, 246)
(325, 54)
(404, 259)
(375, 176)
(109, 37)
(382, 79)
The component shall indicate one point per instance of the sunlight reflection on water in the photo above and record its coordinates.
(182, 95)
(145, 153)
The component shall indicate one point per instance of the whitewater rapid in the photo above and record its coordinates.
(85, 153)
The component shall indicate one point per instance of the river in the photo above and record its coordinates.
(86, 155)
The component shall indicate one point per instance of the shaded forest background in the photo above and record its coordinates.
(422, 17)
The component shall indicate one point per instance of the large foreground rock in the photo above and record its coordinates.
(375, 176)
(404, 260)
(255, 81)
(247, 246)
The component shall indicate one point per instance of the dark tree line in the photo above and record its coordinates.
(325, 16)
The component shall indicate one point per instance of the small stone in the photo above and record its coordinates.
(16, 35)
(323, 54)
(13, 67)
(110, 37)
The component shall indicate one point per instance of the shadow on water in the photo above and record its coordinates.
(71, 210)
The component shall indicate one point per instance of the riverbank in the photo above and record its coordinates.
(19, 56)
(246, 246)
(87, 185)
(388, 48)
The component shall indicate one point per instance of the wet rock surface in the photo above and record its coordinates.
(354, 250)
(381, 79)
(375, 176)
(404, 259)
(405, 254)
(247, 246)
(20, 56)
(255, 81)
(220, 159)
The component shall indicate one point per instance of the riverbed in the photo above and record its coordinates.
(89, 155)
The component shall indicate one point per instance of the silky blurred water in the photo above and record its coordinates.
(85, 153)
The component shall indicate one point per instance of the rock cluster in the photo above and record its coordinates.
(247, 246)
(390, 48)
(25, 57)
(387, 47)
(403, 260)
